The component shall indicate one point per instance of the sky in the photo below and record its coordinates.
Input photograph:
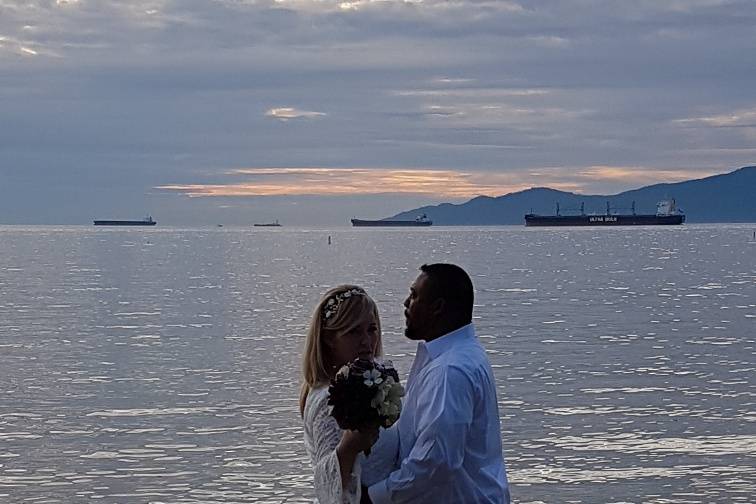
(201, 112)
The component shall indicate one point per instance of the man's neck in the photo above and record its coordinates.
(444, 330)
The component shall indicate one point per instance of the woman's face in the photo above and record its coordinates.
(361, 340)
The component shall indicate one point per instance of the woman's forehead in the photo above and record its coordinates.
(366, 317)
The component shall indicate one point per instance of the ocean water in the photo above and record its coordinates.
(161, 365)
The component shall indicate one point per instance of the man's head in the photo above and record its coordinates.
(440, 301)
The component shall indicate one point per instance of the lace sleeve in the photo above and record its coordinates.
(322, 436)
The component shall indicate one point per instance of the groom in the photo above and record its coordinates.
(449, 434)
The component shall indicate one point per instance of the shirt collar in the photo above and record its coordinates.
(440, 345)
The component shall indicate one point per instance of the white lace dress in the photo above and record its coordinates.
(321, 436)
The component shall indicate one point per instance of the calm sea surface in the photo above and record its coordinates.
(161, 365)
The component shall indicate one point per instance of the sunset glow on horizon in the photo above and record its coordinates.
(444, 184)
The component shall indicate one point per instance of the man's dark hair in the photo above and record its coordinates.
(453, 284)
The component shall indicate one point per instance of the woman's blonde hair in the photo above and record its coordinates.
(349, 311)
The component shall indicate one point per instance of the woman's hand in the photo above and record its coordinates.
(352, 443)
(359, 441)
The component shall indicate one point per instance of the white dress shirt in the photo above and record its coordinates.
(449, 431)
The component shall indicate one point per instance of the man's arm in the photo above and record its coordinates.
(444, 415)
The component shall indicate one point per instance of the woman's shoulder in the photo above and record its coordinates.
(318, 393)
(317, 399)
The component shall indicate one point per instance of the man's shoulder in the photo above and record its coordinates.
(468, 360)
(469, 354)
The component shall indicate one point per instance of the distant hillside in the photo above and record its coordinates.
(730, 197)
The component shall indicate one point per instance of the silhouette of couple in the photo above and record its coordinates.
(446, 445)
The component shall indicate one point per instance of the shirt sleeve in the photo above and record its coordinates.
(444, 415)
(327, 473)
(383, 457)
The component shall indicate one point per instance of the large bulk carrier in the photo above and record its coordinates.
(422, 220)
(667, 214)
(147, 221)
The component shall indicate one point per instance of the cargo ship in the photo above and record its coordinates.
(147, 221)
(267, 224)
(422, 220)
(667, 214)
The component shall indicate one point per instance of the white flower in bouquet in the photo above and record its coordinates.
(372, 377)
(343, 371)
(388, 400)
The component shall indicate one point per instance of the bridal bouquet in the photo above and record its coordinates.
(366, 394)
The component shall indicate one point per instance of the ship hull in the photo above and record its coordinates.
(389, 223)
(123, 223)
(603, 220)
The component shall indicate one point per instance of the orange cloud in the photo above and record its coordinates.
(286, 113)
(443, 184)
(640, 175)
(350, 181)
(744, 117)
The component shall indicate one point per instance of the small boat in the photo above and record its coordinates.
(421, 220)
(268, 224)
(147, 221)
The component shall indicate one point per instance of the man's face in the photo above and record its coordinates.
(418, 309)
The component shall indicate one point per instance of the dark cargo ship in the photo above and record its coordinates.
(267, 224)
(667, 214)
(422, 220)
(147, 221)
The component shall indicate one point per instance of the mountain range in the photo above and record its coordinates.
(730, 197)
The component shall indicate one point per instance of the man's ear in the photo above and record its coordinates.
(438, 306)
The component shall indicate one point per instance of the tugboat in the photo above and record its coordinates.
(147, 221)
(667, 214)
(421, 220)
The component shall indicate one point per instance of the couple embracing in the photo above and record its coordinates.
(446, 445)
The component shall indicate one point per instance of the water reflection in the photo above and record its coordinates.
(161, 365)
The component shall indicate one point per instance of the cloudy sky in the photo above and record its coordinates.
(314, 111)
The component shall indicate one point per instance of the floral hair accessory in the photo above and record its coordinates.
(332, 305)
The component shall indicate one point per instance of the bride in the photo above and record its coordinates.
(344, 326)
